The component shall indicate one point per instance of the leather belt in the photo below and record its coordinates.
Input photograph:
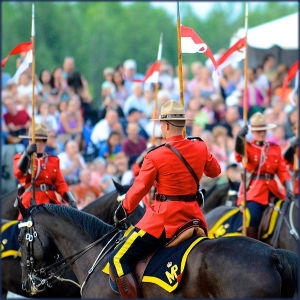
(42, 187)
(266, 176)
(184, 198)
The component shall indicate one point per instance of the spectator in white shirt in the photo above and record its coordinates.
(103, 128)
(71, 162)
(136, 100)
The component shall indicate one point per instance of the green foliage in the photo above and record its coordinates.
(102, 34)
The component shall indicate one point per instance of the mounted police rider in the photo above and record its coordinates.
(175, 202)
(48, 178)
(264, 161)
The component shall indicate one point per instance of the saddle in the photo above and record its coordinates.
(183, 233)
(264, 225)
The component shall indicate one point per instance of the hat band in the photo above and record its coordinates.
(257, 126)
(173, 116)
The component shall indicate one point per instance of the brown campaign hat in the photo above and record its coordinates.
(41, 132)
(172, 111)
(258, 123)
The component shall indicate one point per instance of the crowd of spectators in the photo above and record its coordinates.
(98, 144)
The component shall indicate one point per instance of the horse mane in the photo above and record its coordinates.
(90, 224)
(104, 199)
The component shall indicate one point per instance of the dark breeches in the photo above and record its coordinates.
(137, 245)
(256, 211)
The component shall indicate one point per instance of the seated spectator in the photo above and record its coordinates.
(255, 100)
(71, 162)
(205, 87)
(149, 96)
(220, 145)
(136, 100)
(278, 137)
(24, 102)
(137, 116)
(195, 68)
(104, 127)
(121, 92)
(85, 187)
(53, 147)
(231, 117)
(130, 74)
(24, 86)
(110, 103)
(106, 182)
(12, 89)
(108, 88)
(97, 171)
(45, 78)
(59, 85)
(68, 67)
(206, 116)
(17, 121)
(43, 116)
(134, 144)
(227, 83)
(111, 147)
(124, 174)
(71, 122)
(162, 97)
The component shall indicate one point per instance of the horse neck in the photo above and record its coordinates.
(69, 240)
(103, 207)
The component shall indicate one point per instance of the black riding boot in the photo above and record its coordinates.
(128, 286)
(252, 232)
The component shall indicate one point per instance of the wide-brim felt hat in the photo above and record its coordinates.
(258, 123)
(41, 132)
(172, 111)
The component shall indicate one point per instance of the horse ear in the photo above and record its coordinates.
(120, 188)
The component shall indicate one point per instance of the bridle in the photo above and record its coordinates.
(40, 278)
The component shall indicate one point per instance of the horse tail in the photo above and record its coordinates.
(286, 263)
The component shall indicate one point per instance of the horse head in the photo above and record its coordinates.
(35, 247)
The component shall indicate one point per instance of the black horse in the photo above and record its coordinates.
(102, 208)
(216, 268)
(288, 232)
(221, 194)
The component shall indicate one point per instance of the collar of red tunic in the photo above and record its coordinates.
(257, 143)
(175, 138)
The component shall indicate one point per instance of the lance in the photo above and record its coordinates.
(33, 167)
(245, 117)
(179, 59)
(156, 88)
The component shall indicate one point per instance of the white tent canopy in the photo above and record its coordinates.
(281, 32)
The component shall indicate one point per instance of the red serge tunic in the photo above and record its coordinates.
(50, 175)
(274, 163)
(162, 167)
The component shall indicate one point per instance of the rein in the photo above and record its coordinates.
(63, 262)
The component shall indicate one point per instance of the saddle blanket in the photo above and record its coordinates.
(167, 265)
(273, 220)
(229, 224)
(9, 239)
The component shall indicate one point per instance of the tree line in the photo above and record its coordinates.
(101, 34)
